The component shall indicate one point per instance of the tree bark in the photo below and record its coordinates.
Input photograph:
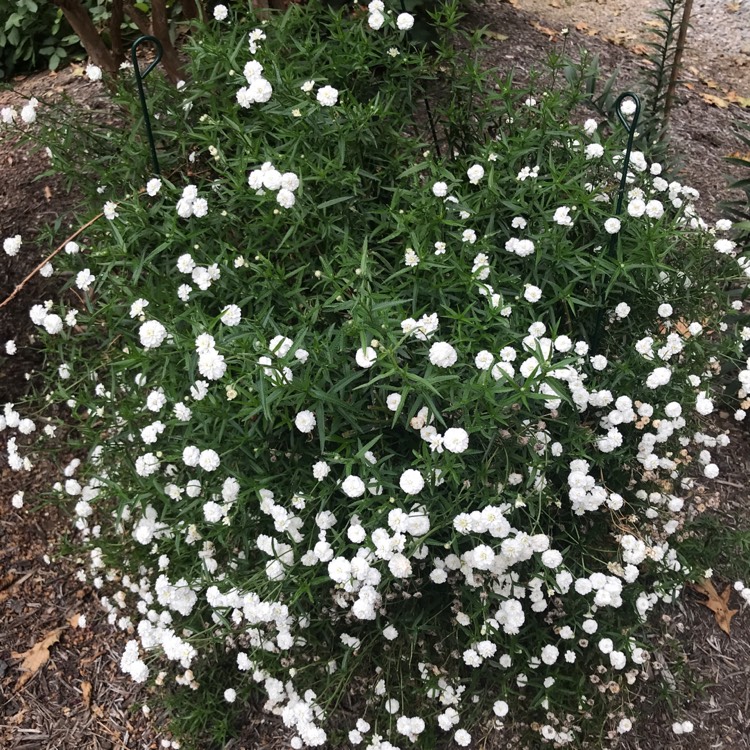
(115, 31)
(138, 18)
(160, 26)
(190, 9)
(80, 21)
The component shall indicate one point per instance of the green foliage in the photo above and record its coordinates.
(738, 210)
(33, 33)
(396, 471)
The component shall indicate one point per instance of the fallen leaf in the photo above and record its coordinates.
(86, 693)
(717, 101)
(717, 603)
(733, 7)
(74, 621)
(739, 155)
(546, 30)
(555, 3)
(640, 49)
(8, 586)
(98, 711)
(494, 35)
(36, 657)
(735, 98)
(48, 192)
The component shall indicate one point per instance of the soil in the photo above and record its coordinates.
(78, 700)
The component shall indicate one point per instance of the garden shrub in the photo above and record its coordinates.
(372, 417)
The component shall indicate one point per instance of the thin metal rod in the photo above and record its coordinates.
(432, 128)
(630, 126)
(141, 94)
(684, 24)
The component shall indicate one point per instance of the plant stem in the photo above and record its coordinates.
(677, 58)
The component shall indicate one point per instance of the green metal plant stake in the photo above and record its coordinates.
(141, 94)
(630, 126)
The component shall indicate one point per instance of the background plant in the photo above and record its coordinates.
(347, 435)
(670, 29)
(35, 34)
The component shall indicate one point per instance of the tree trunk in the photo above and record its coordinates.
(138, 18)
(190, 9)
(80, 21)
(160, 26)
(115, 31)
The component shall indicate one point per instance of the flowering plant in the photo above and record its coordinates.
(368, 420)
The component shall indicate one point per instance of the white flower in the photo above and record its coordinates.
(305, 421)
(594, 151)
(110, 210)
(28, 112)
(393, 401)
(411, 482)
(375, 20)
(231, 315)
(703, 405)
(404, 21)
(532, 293)
(52, 323)
(442, 354)
(366, 357)
(636, 207)
(353, 486)
(411, 259)
(551, 558)
(285, 198)
(209, 460)
(84, 279)
(211, 364)
(724, 246)
(612, 226)
(12, 245)
(462, 738)
(71, 248)
(562, 217)
(622, 310)
(280, 345)
(475, 174)
(200, 207)
(665, 310)
(440, 189)
(93, 72)
(660, 376)
(153, 186)
(220, 14)
(654, 209)
(399, 566)
(152, 334)
(327, 96)
(230, 695)
(456, 440)
(321, 470)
